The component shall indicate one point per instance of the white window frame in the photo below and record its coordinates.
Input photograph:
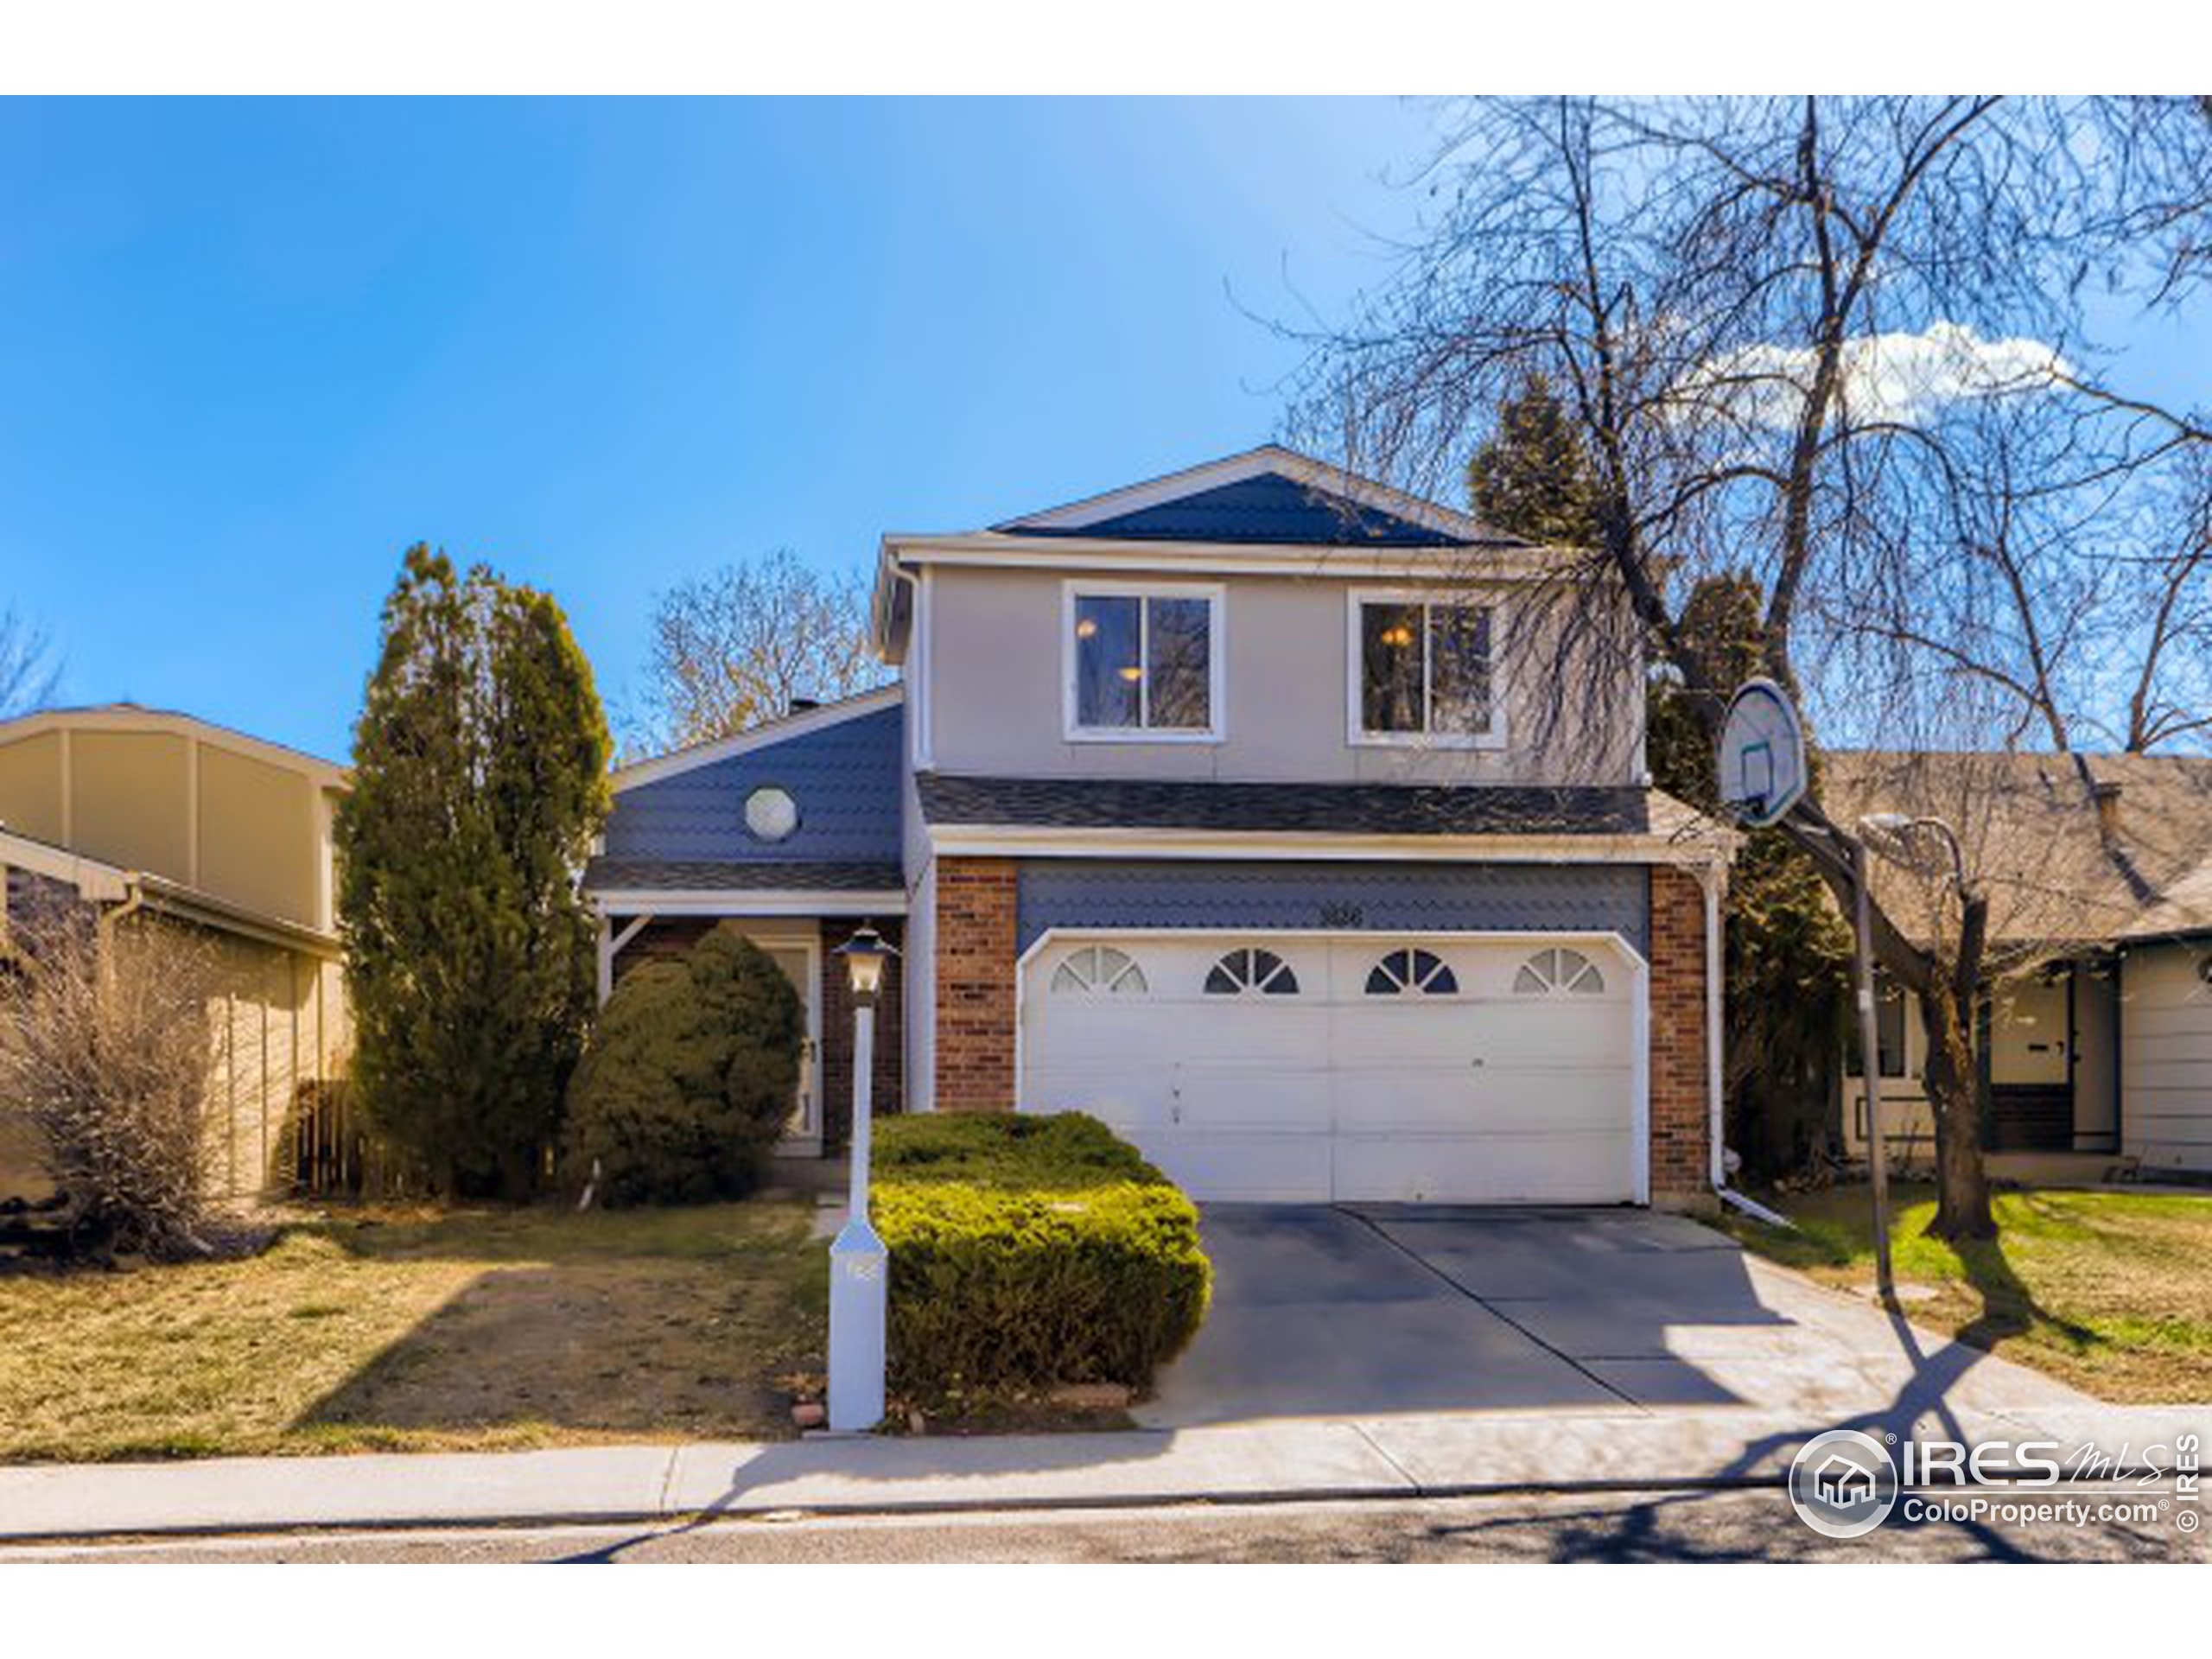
(1214, 593)
(1356, 731)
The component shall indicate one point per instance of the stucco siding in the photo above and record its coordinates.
(996, 707)
(2166, 1023)
(30, 787)
(845, 778)
(128, 796)
(260, 844)
(1376, 897)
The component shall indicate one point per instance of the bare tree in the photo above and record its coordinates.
(1838, 344)
(107, 1054)
(740, 643)
(28, 674)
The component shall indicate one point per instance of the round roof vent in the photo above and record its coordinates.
(771, 814)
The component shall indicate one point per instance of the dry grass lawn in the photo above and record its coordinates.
(2110, 1292)
(376, 1330)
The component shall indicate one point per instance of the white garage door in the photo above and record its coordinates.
(1347, 1067)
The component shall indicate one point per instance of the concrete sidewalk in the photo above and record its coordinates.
(1279, 1461)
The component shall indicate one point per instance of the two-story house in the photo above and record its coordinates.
(1258, 811)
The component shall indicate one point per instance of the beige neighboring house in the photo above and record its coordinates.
(2097, 1044)
(136, 809)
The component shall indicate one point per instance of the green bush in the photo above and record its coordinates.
(688, 1078)
(1029, 1250)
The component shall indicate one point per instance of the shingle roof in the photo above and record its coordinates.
(675, 875)
(1271, 508)
(2033, 836)
(1323, 809)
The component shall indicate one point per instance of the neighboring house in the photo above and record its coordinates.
(2098, 1040)
(1259, 811)
(125, 809)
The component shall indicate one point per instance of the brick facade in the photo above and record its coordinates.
(1680, 1111)
(976, 973)
(670, 937)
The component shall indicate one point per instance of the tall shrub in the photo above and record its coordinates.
(106, 1054)
(688, 1077)
(480, 777)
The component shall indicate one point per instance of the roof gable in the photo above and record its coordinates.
(1270, 509)
(1270, 496)
(133, 717)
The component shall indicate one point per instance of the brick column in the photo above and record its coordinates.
(976, 973)
(1680, 1113)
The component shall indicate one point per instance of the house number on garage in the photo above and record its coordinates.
(1341, 915)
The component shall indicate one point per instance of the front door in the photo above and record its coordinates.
(800, 960)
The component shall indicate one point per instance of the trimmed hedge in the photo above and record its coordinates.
(1031, 1250)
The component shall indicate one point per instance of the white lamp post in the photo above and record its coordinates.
(858, 1263)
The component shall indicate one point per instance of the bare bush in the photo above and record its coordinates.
(106, 1054)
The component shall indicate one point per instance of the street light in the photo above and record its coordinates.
(1869, 1062)
(858, 1261)
(1892, 831)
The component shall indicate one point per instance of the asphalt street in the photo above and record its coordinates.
(1694, 1526)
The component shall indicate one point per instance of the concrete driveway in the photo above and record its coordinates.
(1371, 1311)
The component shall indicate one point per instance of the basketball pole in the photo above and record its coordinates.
(1870, 1070)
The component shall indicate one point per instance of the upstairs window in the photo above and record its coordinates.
(1421, 672)
(1143, 662)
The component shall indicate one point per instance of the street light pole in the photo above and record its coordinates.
(1870, 1070)
(859, 1265)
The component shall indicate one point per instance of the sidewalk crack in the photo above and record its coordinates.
(1413, 1481)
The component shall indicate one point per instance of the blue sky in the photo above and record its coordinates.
(252, 350)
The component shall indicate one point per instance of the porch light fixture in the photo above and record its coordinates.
(859, 1265)
(865, 953)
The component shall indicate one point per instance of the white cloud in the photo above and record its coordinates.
(1905, 377)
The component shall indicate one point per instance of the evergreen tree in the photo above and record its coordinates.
(480, 777)
(1533, 479)
(1788, 950)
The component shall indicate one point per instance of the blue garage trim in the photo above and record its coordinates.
(1380, 897)
(844, 776)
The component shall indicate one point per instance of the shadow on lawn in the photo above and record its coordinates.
(614, 1348)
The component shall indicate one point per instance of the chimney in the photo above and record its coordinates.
(2107, 796)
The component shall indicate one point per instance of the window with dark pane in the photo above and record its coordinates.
(1179, 645)
(1390, 646)
(1459, 669)
(1108, 661)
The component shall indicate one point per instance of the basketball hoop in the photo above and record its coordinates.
(1761, 755)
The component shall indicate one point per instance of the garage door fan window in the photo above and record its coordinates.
(1246, 971)
(1551, 972)
(1404, 973)
(1099, 969)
